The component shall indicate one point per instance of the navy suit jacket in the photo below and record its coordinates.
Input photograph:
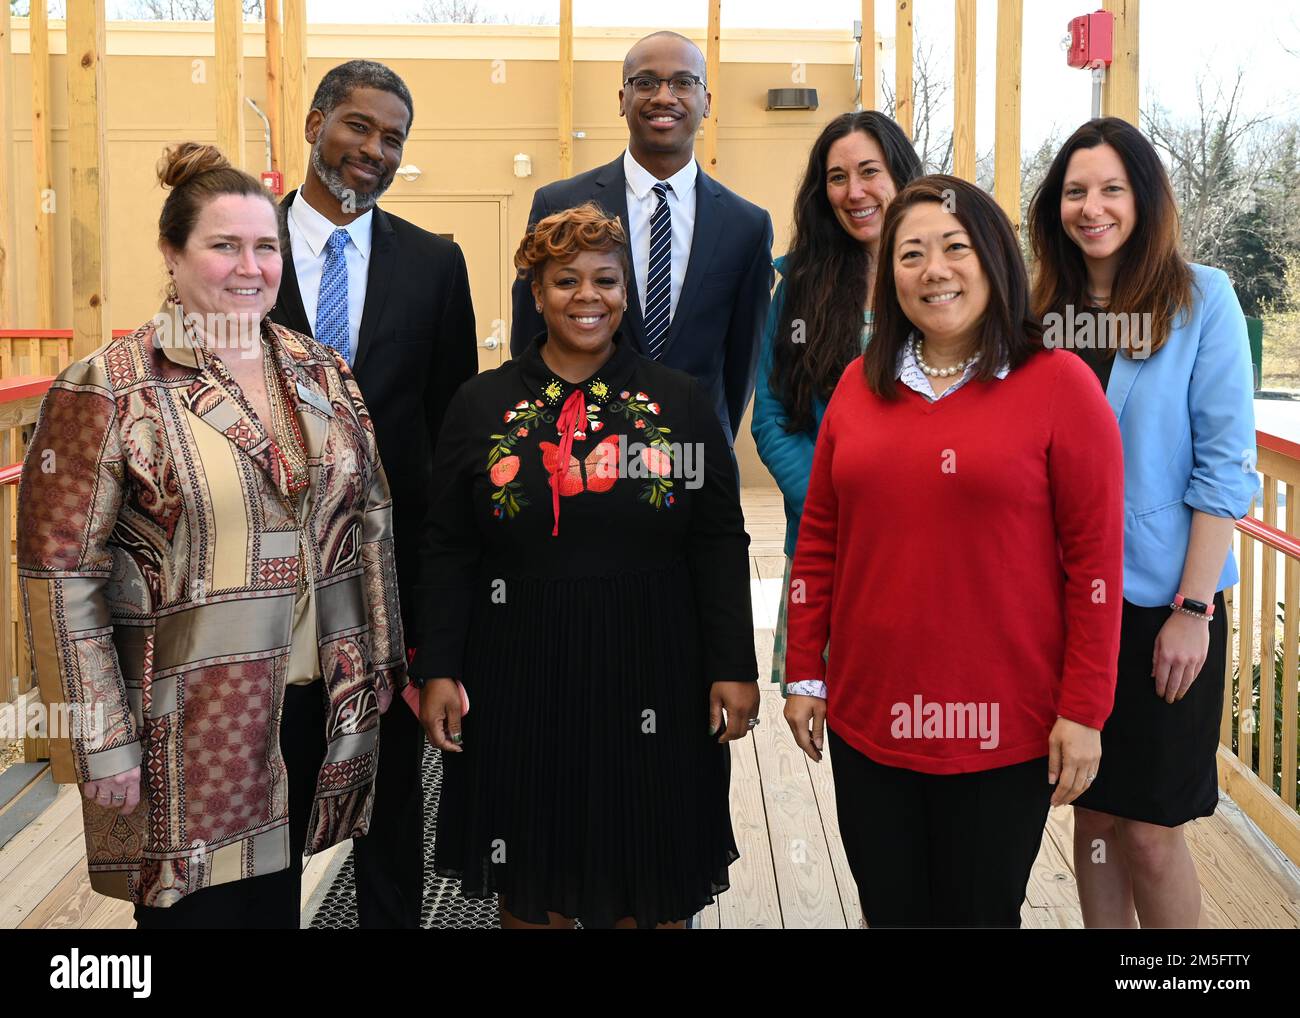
(718, 323)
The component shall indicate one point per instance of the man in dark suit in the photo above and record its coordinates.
(394, 300)
(701, 254)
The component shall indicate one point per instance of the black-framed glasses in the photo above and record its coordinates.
(682, 86)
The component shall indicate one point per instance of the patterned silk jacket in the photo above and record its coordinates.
(163, 540)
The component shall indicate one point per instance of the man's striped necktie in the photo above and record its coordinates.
(659, 276)
(332, 301)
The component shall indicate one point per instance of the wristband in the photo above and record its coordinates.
(1192, 606)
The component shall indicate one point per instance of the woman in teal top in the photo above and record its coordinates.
(820, 317)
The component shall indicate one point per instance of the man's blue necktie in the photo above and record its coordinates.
(659, 275)
(332, 301)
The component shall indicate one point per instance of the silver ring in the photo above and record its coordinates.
(753, 722)
(1091, 777)
(119, 798)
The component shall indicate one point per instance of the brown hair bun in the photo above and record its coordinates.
(182, 163)
(194, 174)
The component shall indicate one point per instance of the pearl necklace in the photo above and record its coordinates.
(956, 369)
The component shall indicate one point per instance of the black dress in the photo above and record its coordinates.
(587, 627)
(1158, 759)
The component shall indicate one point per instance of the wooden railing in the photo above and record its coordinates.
(1258, 731)
(36, 352)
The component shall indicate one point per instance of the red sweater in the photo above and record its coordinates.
(965, 560)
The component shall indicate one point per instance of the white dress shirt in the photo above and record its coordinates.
(308, 232)
(641, 203)
(911, 375)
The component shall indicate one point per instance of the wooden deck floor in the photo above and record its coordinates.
(792, 872)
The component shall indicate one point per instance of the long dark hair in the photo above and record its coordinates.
(1008, 334)
(1153, 277)
(826, 274)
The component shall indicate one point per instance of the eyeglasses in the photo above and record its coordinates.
(682, 86)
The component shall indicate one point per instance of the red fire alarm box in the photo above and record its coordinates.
(1092, 40)
(273, 181)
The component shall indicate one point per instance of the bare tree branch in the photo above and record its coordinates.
(175, 10)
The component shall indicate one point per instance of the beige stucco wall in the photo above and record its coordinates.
(482, 94)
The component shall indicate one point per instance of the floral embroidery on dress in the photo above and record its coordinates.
(503, 463)
(656, 455)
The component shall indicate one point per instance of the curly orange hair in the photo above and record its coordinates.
(561, 236)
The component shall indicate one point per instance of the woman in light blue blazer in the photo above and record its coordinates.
(820, 318)
(1167, 340)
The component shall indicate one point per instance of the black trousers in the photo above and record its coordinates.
(389, 861)
(271, 901)
(939, 849)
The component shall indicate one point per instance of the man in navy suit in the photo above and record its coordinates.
(702, 262)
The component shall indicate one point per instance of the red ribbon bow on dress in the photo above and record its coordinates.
(573, 418)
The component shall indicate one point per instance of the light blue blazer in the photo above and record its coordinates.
(1187, 419)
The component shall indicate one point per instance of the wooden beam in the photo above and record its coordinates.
(903, 66)
(1006, 145)
(8, 261)
(1258, 801)
(868, 96)
(565, 117)
(1119, 95)
(228, 25)
(296, 100)
(87, 101)
(273, 82)
(712, 72)
(963, 131)
(42, 163)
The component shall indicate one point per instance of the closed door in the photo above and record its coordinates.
(475, 223)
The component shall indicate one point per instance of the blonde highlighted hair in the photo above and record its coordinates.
(562, 236)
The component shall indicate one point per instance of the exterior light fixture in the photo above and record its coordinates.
(792, 98)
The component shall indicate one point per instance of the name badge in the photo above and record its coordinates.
(315, 400)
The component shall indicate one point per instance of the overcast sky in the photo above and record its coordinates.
(1179, 40)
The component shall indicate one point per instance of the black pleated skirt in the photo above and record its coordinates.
(589, 785)
(1158, 759)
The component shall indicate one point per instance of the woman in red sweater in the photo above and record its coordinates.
(961, 546)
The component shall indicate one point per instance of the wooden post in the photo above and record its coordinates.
(1119, 95)
(87, 101)
(868, 96)
(565, 118)
(294, 87)
(228, 26)
(963, 131)
(42, 161)
(273, 82)
(1006, 145)
(712, 72)
(8, 261)
(903, 66)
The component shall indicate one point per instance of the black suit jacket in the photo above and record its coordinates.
(416, 346)
(718, 323)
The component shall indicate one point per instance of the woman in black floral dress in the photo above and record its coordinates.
(590, 589)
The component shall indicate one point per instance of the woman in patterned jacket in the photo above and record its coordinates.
(206, 561)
